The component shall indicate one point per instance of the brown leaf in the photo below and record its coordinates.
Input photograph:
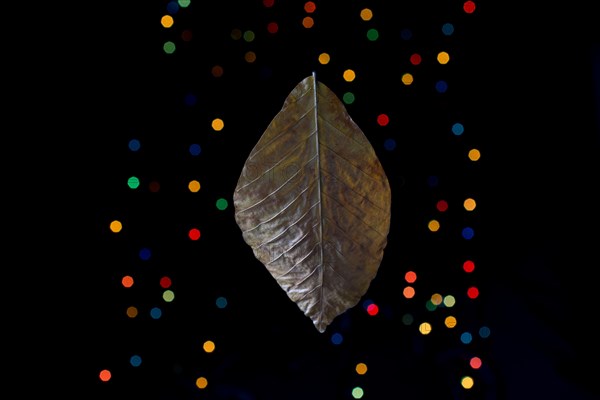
(313, 202)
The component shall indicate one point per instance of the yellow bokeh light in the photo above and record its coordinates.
(425, 328)
(469, 204)
(116, 226)
(450, 321)
(433, 225)
(349, 75)
(194, 186)
(250, 56)
(209, 346)
(474, 154)
(308, 22)
(324, 58)
(132, 312)
(467, 382)
(168, 296)
(167, 21)
(202, 382)
(366, 14)
(361, 368)
(407, 79)
(449, 301)
(443, 57)
(436, 299)
(217, 124)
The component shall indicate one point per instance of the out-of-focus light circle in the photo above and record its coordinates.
(337, 338)
(268, 3)
(105, 375)
(348, 98)
(442, 205)
(469, 204)
(217, 71)
(389, 144)
(472, 292)
(324, 58)
(134, 145)
(361, 368)
(407, 79)
(135, 360)
(145, 254)
(466, 338)
(484, 332)
(165, 282)
(194, 234)
(222, 204)
(249, 36)
(194, 186)
(406, 34)
(447, 29)
(308, 22)
(131, 312)
(250, 56)
(358, 393)
(372, 34)
(410, 276)
(133, 182)
(169, 47)
(217, 124)
(474, 155)
(468, 266)
(383, 119)
(450, 321)
(155, 313)
(475, 362)
(443, 57)
(167, 21)
(209, 346)
(366, 14)
(221, 302)
(458, 129)
(168, 296)
(272, 27)
(415, 59)
(127, 281)
(433, 225)
(201, 383)
(469, 6)
(195, 149)
(349, 75)
(407, 319)
(310, 7)
(468, 233)
(425, 328)
(408, 292)
(441, 86)
(449, 301)
(467, 382)
(116, 226)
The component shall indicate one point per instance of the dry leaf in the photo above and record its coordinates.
(313, 202)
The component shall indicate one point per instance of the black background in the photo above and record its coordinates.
(523, 81)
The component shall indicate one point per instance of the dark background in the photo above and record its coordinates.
(524, 81)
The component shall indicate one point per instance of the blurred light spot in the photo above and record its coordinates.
(236, 34)
(475, 362)
(415, 59)
(184, 3)
(436, 299)
(406, 34)
(469, 6)
(389, 144)
(155, 313)
(410, 276)
(222, 204)
(324, 58)
(209, 346)
(430, 306)
(468, 233)
(349, 75)
(449, 301)
(154, 186)
(409, 292)
(348, 98)
(194, 186)
(469, 204)
(133, 182)
(468, 266)
(447, 29)
(466, 338)
(472, 292)
(116, 226)
(372, 309)
(135, 361)
(127, 281)
(217, 71)
(407, 319)
(474, 154)
(425, 328)
(249, 36)
(433, 225)
(167, 21)
(443, 57)
(221, 302)
(337, 338)
(458, 129)
(217, 124)
(169, 47)
(467, 382)
(172, 7)
(272, 27)
(310, 7)
(361, 368)
(132, 312)
(357, 392)
(366, 14)
(407, 79)
(250, 57)
(105, 375)
(134, 145)
(186, 35)
(441, 86)
(433, 181)
(484, 332)
(194, 234)
(308, 22)
(442, 205)
(168, 296)
(165, 282)
(372, 34)
(450, 321)
(268, 3)
(145, 254)
(190, 100)
(201, 382)
(195, 149)
(383, 119)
